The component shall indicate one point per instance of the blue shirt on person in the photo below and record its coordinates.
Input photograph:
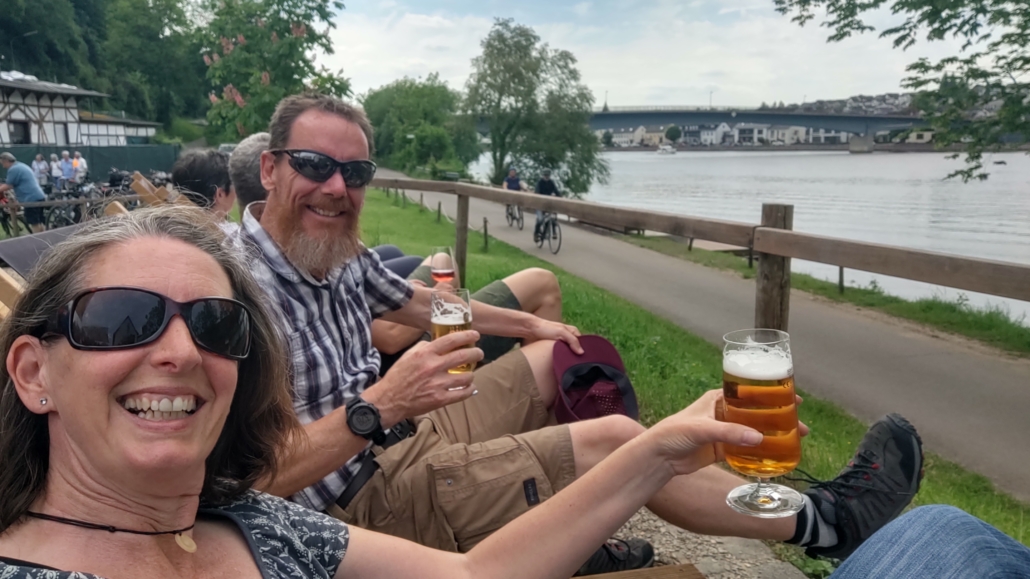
(67, 169)
(26, 188)
(512, 183)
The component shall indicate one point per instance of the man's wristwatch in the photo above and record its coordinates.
(363, 420)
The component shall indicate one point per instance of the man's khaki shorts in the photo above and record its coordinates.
(471, 467)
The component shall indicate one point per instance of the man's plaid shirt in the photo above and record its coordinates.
(329, 325)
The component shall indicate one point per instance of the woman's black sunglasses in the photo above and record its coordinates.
(320, 167)
(117, 318)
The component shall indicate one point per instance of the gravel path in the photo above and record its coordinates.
(716, 557)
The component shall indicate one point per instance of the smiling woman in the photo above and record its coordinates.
(118, 405)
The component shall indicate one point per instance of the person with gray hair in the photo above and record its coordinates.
(245, 169)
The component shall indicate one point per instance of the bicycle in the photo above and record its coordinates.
(551, 231)
(5, 219)
(513, 213)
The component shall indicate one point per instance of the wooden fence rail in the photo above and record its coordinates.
(773, 237)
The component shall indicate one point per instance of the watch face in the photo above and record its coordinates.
(363, 419)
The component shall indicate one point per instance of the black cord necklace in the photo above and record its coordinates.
(184, 541)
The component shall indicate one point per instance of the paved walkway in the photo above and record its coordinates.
(970, 404)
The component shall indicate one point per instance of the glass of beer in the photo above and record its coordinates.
(442, 267)
(451, 312)
(758, 391)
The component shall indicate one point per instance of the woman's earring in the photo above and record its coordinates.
(42, 401)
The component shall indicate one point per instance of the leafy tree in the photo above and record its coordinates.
(258, 52)
(978, 97)
(56, 51)
(673, 133)
(415, 121)
(537, 108)
(151, 57)
(606, 139)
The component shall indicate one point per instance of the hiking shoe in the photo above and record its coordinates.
(873, 489)
(618, 555)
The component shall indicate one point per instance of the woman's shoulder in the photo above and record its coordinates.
(289, 537)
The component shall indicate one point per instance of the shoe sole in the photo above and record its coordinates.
(899, 423)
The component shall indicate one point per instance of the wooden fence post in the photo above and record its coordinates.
(772, 282)
(486, 236)
(16, 228)
(404, 199)
(439, 211)
(421, 203)
(840, 280)
(461, 241)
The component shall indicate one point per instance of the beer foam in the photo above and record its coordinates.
(450, 318)
(758, 364)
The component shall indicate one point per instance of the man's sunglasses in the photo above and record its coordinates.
(117, 318)
(320, 168)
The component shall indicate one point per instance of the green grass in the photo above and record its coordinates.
(670, 367)
(992, 325)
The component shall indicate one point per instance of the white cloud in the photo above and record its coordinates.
(581, 9)
(373, 51)
(666, 53)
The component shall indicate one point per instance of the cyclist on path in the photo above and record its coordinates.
(545, 186)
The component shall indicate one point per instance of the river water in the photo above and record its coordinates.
(890, 198)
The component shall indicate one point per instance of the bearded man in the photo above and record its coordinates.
(422, 453)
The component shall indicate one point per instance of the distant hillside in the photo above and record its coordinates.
(884, 104)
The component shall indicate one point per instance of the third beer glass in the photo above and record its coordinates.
(758, 389)
(450, 311)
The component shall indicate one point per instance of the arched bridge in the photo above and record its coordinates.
(617, 118)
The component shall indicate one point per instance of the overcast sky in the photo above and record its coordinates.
(642, 52)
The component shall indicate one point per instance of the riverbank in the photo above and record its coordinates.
(670, 366)
(990, 326)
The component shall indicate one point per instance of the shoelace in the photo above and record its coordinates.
(861, 469)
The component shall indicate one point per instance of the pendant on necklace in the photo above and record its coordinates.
(186, 542)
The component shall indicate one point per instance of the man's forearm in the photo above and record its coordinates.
(326, 445)
(495, 321)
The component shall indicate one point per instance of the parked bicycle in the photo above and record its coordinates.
(513, 213)
(5, 218)
(550, 231)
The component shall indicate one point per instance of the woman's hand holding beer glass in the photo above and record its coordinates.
(758, 391)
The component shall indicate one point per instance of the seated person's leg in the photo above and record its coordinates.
(498, 454)
(386, 252)
(937, 542)
(403, 266)
(534, 290)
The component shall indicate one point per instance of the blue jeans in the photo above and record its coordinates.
(937, 542)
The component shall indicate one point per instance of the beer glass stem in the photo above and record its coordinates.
(757, 494)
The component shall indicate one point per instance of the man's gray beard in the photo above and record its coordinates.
(319, 255)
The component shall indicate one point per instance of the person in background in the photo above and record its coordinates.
(26, 189)
(41, 170)
(512, 181)
(67, 169)
(55, 173)
(202, 175)
(81, 168)
(545, 186)
(245, 170)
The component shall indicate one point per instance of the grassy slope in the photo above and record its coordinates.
(670, 367)
(991, 326)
